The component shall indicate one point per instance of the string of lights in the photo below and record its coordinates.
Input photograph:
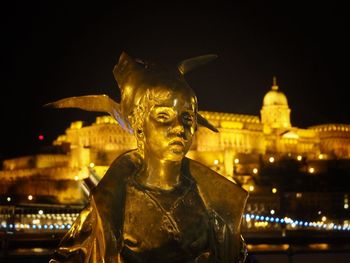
(65, 221)
(297, 223)
(40, 221)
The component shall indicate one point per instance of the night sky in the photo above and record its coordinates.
(60, 49)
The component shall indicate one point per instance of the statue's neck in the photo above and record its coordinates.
(160, 174)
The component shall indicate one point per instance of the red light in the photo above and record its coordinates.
(41, 137)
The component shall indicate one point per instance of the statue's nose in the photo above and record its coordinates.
(178, 128)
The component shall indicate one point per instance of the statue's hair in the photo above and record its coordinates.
(138, 83)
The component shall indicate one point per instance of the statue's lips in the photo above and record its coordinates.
(177, 143)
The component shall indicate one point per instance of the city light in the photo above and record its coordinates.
(255, 170)
(41, 137)
(236, 161)
(346, 201)
(271, 159)
(274, 190)
(263, 221)
(320, 156)
(272, 212)
(251, 188)
(216, 162)
(53, 222)
(92, 165)
(30, 197)
(299, 157)
(8, 199)
(76, 178)
(311, 170)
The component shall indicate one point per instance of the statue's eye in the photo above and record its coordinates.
(187, 118)
(163, 114)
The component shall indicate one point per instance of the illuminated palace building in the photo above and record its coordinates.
(290, 172)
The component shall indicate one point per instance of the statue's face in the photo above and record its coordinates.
(169, 126)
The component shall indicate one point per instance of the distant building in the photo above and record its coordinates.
(243, 144)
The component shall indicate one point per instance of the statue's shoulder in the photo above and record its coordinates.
(119, 171)
(109, 194)
(220, 194)
(122, 167)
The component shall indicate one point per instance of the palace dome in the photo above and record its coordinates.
(275, 97)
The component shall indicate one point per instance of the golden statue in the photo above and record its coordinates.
(154, 204)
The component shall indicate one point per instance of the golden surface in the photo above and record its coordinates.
(154, 204)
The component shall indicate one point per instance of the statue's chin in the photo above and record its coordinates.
(175, 154)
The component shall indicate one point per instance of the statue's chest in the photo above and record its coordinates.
(176, 220)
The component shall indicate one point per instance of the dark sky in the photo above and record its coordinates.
(56, 49)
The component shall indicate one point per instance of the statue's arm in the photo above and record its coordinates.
(89, 240)
(243, 251)
(93, 238)
(228, 245)
(79, 240)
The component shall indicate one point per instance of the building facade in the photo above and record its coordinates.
(243, 144)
